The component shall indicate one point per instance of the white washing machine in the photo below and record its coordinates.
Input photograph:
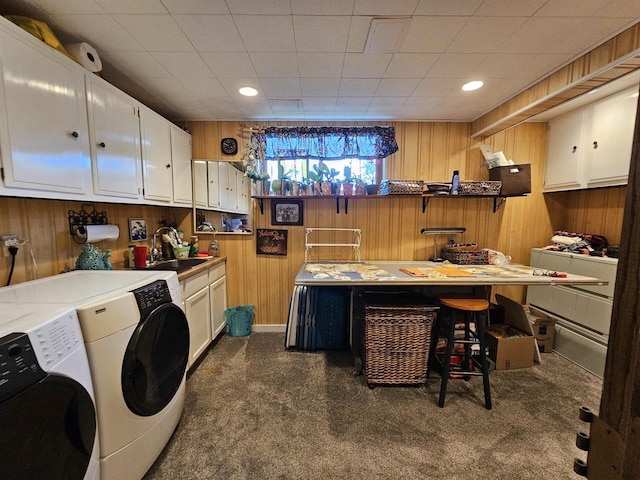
(137, 341)
(47, 413)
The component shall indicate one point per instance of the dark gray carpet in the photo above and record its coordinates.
(257, 411)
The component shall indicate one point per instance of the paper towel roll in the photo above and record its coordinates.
(86, 55)
(97, 233)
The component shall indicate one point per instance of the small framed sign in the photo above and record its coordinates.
(286, 212)
(271, 242)
(137, 229)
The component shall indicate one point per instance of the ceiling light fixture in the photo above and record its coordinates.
(248, 91)
(474, 85)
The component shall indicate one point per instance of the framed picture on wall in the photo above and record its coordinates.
(271, 242)
(286, 212)
(137, 229)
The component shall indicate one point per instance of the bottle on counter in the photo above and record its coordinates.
(455, 182)
(131, 257)
(195, 246)
(214, 249)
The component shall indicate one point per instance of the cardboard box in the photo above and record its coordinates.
(509, 352)
(516, 179)
(543, 327)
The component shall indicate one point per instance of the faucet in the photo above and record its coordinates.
(156, 255)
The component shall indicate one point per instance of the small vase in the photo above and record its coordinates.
(372, 189)
(361, 189)
(295, 188)
(266, 185)
(325, 188)
(347, 189)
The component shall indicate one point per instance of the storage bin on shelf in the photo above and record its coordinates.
(397, 336)
(467, 254)
(479, 188)
(401, 187)
(516, 179)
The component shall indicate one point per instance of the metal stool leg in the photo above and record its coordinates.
(450, 330)
(480, 324)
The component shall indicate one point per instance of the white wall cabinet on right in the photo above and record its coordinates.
(591, 147)
(155, 133)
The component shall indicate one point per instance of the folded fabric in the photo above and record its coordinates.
(563, 240)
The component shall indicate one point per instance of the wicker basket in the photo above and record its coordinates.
(465, 255)
(480, 188)
(396, 343)
(401, 187)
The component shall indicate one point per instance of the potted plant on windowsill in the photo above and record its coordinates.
(320, 177)
(360, 186)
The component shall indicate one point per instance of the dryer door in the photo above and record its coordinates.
(155, 360)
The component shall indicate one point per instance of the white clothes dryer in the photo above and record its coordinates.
(137, 341)
(47, 411)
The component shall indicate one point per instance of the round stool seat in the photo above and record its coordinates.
(465, 304)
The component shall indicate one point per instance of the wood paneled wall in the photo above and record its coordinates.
(390, 226)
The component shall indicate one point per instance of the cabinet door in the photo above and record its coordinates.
(43, 124)
(213, 193)
(115, 142)
(242, 192)
(156, 156)
(226, 186)
(610, 138)
(181, 166)
(197, 311)
(218, 296)
(200, 183)
(563, 169)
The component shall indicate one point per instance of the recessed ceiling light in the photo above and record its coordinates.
(248, 91)
(474, 85)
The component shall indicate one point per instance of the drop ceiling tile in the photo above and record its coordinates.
(262, 7)
(354, 87)
(621, 8)
(128, 7)
(354, 104)
(365, 65)
(101, 31)
(385, 7)
(319, 104)
(281, 87)
(156, 33)
(266, 33)
(183, 64)
(326, 7)
(320, 87)
(166, 87)
(197, 7)
(449, 7)
(139, 65)
(517, 65)
(437, 87)
(484, 34)
(455, 65)
(358, 32)
(279, 64)
(570, 8)
(132, 87)
(320, 65)
(396, 87)
(321, 33)
(431, 34)
(500, 8)
(66, 7)
(211, 33)
(233, 84)
(204, 87)
(410, 65)
(192, 111)
(229, 65)
(386, 102)
(422, 104)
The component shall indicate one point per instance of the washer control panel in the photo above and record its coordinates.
(151, 296)
(19, 366)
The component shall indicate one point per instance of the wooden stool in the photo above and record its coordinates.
(446, 327)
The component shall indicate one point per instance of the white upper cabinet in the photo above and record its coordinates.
(181, 166)
(242, 192)
(114, 133)
(226, 186)
(43, 120)
(200, 183)
(213, 171)
(156, 156)
(591, 147)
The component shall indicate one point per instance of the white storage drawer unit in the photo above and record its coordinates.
(583, 312)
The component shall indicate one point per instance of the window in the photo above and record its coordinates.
(298, 169)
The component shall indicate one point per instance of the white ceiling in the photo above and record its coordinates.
(186, 59)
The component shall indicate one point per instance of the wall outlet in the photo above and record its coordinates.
(7, 241)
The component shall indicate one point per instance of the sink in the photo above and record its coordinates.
(177, 265)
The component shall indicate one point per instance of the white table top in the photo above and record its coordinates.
(388, 273)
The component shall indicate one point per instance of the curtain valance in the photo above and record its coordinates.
(328, 143)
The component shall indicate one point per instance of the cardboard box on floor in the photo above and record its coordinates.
(512, 351)
(532, 321)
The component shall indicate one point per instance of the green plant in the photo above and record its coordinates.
(320, 173)
(282, 175)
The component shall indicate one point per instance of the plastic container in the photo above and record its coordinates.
(181, 252)
(455, 182)
(239, 320)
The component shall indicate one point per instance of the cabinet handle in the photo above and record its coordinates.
(574, 149)
(75, 134)
(102, 145)
(168, 165)
(595, 144)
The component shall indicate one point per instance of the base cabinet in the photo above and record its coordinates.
(196, 306)
(218, 297)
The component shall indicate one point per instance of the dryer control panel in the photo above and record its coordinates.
(151, 296)
(19, 367)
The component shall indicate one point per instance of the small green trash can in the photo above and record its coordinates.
(239, 320)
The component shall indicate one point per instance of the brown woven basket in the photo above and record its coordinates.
(480, 188)
(401, 187)
(465, 256)
(396, 343)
